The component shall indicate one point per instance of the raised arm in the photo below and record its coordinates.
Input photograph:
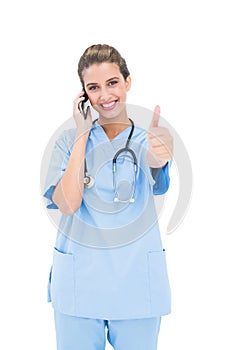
(68, 193)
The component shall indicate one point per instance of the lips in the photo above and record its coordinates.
(109, 106)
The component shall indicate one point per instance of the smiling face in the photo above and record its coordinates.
(107, 89)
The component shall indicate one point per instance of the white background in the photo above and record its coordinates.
(180, 56)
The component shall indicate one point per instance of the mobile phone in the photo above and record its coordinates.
(84, 105)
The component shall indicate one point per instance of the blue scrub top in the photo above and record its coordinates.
(108, 261)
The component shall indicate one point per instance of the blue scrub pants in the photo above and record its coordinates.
(77, 333)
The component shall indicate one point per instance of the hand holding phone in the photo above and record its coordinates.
(82, 114)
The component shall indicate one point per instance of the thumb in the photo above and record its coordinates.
(155, 118)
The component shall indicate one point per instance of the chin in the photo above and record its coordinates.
(113, 114)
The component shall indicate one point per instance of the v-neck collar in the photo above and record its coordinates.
(104, 136)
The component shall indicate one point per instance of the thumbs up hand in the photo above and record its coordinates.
(160, 142)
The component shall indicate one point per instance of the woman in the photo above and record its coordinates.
(109, 269)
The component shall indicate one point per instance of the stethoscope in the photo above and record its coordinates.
(89, 180)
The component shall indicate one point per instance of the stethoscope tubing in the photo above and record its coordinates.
(89, 180)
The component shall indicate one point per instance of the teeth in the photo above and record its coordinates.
(107, 105)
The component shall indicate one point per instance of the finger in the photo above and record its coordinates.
(79, 96)
(78, 99)
(158, 132)
(76, 106)
(155, 118)
(81, 93)
(77, 102)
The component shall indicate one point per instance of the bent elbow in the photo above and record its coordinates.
(67, 207)
(67, 211)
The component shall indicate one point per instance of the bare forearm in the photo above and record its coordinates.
(69, 191)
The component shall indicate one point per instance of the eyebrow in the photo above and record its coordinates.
(106, 81)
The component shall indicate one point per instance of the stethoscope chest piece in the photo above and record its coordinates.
(89, 181)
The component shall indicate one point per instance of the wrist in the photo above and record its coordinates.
(161, 164)
(81, 137)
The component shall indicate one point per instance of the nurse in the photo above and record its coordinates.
(109, 272)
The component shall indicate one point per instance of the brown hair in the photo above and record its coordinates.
(99, 54)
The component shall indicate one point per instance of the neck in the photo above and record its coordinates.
(112, 130)
(114, 126)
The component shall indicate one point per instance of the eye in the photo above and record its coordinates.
(92, 88)
(113, 82)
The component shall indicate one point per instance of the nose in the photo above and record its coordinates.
(104, 95)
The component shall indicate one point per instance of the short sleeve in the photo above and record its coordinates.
(161, 179)
(57, 166)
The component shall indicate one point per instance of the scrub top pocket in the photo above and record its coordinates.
(160, 295)
(63, 282)
(49, 286)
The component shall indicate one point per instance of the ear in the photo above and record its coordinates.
(128, 83)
